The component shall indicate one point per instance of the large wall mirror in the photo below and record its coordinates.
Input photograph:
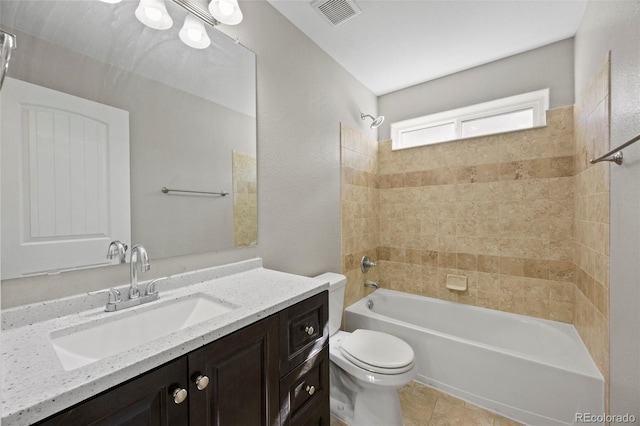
(99, 113)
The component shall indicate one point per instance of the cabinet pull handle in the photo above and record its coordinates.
(201, 382)
(309, 330)
(179, 395)
(310, 389)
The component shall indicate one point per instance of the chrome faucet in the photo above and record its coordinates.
(117, 248)
(116, 301)
(136, 251)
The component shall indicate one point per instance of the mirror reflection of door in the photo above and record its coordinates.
(188, 110)
(65, 180)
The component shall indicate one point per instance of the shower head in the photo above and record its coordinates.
(376, 121)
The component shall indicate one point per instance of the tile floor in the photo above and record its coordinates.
(425, 406)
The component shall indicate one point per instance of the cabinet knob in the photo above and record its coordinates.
(310, 389)
(201, 382)
(179, 395)
(309, 330)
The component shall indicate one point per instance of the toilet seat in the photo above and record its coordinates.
(377, 352)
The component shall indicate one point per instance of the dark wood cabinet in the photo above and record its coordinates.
(304, 331)
(305, 389)
(243, 378)
(144, 401)
(304, 362)
(275, 371)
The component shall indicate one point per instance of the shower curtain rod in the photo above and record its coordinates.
(617, 158)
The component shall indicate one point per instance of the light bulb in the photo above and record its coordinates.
(226, 7)
(226, 11)
(153, 13)
(194, 34)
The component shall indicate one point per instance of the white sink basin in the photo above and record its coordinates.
(86, 343)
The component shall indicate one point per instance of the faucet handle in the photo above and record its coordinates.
(366, 264)
(114, 295)
(151, 287)
(119, 249)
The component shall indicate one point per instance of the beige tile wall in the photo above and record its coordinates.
(591, 119)
(522, 215)
(245, 199)
(498, 210)
(360, 218)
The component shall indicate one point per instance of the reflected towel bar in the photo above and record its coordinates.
(617, 158)
(166, 190)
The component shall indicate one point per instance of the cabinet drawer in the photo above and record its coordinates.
(320, 417)
(305, 389)
(304, 330)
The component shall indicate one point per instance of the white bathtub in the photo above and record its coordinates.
(532, 370)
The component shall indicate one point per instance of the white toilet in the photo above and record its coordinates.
(367, 368)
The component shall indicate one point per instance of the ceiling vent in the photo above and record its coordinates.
(337, 11)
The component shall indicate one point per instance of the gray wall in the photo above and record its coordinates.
(548, 66)
(303, 95)
(613, 25)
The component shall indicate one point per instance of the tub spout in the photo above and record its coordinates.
(371, 284)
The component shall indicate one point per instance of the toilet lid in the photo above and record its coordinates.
(377, 351)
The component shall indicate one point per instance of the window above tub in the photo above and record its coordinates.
(518, 112)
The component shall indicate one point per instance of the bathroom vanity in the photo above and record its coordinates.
(264, 361)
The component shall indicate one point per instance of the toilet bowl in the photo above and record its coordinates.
(366, 368)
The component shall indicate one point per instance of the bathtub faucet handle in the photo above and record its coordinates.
(371, 284)
(366, 264)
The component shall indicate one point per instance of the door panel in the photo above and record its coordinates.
(65, 180)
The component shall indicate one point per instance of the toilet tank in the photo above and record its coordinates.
(337, 283)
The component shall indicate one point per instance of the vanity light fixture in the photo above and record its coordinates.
(153, 13)
(193, 32)
(226, 11)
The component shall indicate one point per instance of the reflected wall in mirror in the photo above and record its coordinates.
(191, 117)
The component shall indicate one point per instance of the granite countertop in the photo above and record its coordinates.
(34, 383)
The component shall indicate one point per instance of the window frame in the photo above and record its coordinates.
(537, 100)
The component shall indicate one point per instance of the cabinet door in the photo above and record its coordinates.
(243, 378)
(320, 417)
(143, 401)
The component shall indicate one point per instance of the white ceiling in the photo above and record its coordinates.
(395, 44)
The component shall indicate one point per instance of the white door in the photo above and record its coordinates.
(65, 180)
